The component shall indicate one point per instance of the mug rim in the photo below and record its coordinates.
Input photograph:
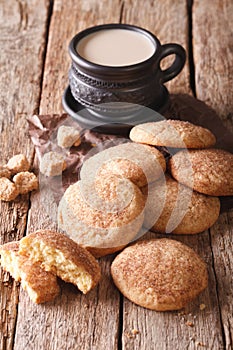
(91, 66)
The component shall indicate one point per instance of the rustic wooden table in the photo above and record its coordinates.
(33, 75)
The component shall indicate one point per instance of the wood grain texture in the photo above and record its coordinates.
(222, 246)
(183, 329)
(170, 330)
(103, 319)
(22, 44)
(168, 20)
(68, 18)
(213, 51)
(73, 321)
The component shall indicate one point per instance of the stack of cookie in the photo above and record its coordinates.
(199, 175)
(126, 186)
(104, 211)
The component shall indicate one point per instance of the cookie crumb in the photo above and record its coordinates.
(199, 343)
(132, 333)
(189, 324)
(52, 164)
(18, 163)
(8, 190)
(68, 136)
(4, 171)
(25, 182)
(202, 306)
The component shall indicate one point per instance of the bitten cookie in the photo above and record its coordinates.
(105, 222)
(173, 133)
(60, 255)
(160, 274)
(139, 163)
(211, 171)
(173, 207)
(40, 285)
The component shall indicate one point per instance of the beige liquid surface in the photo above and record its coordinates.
(115, 47)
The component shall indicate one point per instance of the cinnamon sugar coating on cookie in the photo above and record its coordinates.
(106, 221)
(160, 274)
(60, 255)
(139, 163)
(173, 133)
(211, 168)
(173, 207)
(40, 285)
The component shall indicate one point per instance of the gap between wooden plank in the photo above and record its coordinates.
(22, 50)
(60, 321)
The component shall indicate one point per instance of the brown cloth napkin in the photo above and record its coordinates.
(43, 131)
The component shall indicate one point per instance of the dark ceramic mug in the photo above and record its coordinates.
(106, 89)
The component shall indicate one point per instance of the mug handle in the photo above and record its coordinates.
(177, 65)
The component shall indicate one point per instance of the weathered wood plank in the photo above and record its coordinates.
(185, 329)
(222, 246)
(22, 44)
(168, 20)
(73, 321)
(74, 17)
(213, 55)
(213, 52)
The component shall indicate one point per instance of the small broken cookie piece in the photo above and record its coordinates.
(25, 182)
(4, 171)
(57, 253)
(68, 136)
(40, 285)
(8, 190)
(52, 164)
(18, 163)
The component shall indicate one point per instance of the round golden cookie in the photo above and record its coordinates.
(159, 274)
(181, 210)
(102, 223)
(139, 163)
(211, 171)
(173, 133)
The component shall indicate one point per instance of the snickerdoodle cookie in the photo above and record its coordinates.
(102, 222)
(159, 274)
(211, 171)
(40, 285)
(63, 257)
(173, 133)
(173, 207)
(139, 163)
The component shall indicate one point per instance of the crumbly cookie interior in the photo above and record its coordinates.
(55, 261)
